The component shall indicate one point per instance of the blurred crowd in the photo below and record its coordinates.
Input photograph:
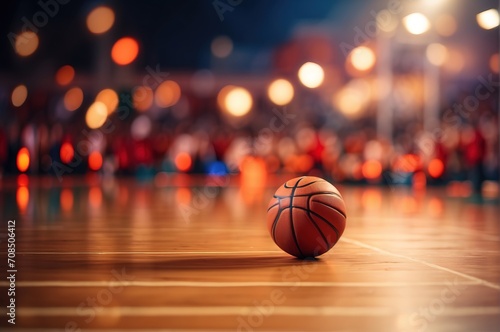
(277, 140)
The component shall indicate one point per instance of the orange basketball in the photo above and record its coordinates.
(306, 216)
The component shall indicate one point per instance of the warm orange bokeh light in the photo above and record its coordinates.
(22, 198)
(26, 43)
(253, 172)
(183, 161)
(280, 92)
(125, 51)
(142, 98)
(311, 75)
(167, 94)
(109, 98)
(234, 100)
(96, 115)
(66, 200)
(435, 168)
(95, 161)
(23, 159)
(65, 75)
(495, 63)
(67, 152)
(183, 196)
(362, 58)
(371, 169)
(100, 20)
(95, 197)
(73, 99)
(19, 95)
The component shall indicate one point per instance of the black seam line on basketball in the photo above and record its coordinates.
(291, 217)
(275, 222)
(277, 203)
(315, 193)
(295, 185)
(331, 207)
(322, 218)
(314, 223)
(305, 185)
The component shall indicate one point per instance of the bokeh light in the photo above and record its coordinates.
(67, 152)
(221, 96)
(488, 19)
(437, 54)
(311, 75)
(124, 51)
(73, 99)
(253, 175)
(66, 200)
(416, 23)
(96, 115)
(142, 98)
(65, 75)
(23, 159)
(280, 92)
(371, 169)
(183, 196)
(238, 101)
(95, 161)
(22, 198)
(362, 58)
(353, 98)
(109, 98)
(435, 168)
(183, 161)
(141, 127)
(19, 95)
(446, 25)
(26, 43)
(100, 20)
(221, 46)
(494, 63)
(167, 94)
(95, 197)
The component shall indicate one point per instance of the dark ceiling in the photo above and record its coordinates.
(177, 34)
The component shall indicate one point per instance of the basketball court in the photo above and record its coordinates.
(126, 257)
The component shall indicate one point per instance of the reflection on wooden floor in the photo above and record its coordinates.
(197, 256)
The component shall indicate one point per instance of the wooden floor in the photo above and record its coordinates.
(184, 255)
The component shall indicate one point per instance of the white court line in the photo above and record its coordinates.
(170, 253)
(245, 310)
(223, 284)
(435, 266)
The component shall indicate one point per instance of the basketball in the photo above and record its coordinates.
(306, 216)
